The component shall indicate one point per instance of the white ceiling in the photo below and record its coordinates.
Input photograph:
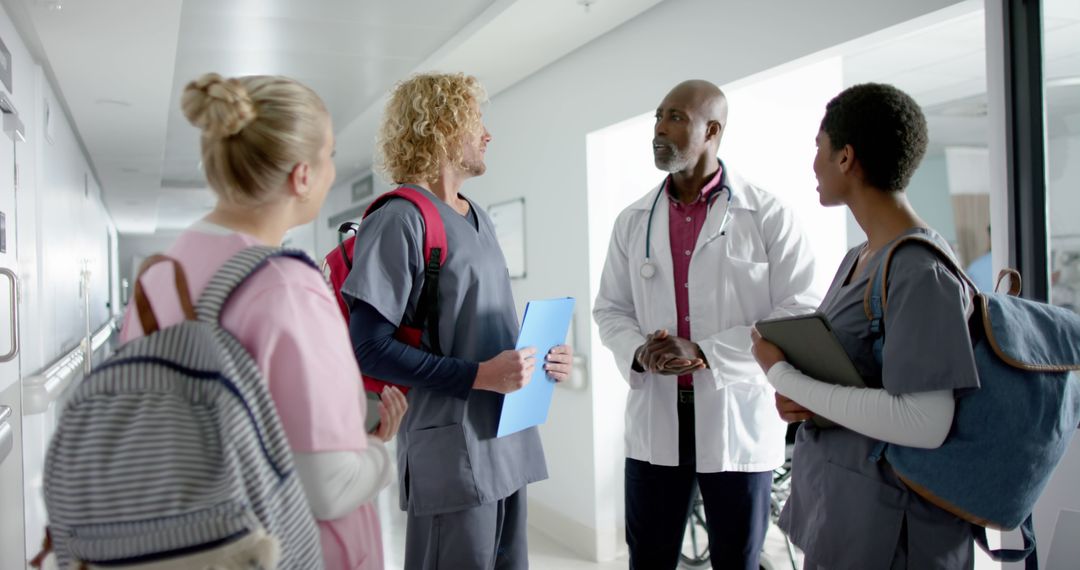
(346, 51)
(119, 96)
(943, 66)
(120, 66)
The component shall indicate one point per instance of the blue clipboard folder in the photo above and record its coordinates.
(543, 327)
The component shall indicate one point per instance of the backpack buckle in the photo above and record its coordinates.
(875, 326)
(433, 264)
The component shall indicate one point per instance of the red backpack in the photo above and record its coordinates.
(338, 263)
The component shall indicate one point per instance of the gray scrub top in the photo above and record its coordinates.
(448, 456)
(845, 510)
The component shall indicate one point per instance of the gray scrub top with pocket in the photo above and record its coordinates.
(846, 510)
(448, 456)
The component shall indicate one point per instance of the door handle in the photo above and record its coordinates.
(7, 442)
(10, 355)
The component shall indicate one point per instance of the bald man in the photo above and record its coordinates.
(691, 267)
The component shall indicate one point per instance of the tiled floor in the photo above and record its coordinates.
(544, 553)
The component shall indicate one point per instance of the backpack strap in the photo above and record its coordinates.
(435, 249)
(346, 252)
(142, 303)
(1016, 283)
(234, 272)
(434, 230)
(875, 299)
(875, 302)
(1027, 554)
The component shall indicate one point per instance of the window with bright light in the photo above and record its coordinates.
(1061, 70)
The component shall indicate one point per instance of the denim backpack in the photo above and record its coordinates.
(1010, 433)
(171, 453)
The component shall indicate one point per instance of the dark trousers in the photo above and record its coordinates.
(659, 499)
(490, 536)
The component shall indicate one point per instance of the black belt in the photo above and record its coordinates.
(686, 396)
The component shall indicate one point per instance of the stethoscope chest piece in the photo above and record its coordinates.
(648, 270)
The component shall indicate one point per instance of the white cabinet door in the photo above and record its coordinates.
(12, 514)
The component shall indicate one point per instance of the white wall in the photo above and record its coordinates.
(539, 128)
(322, 237)
(619, 170)
(928, 193)
(59, 224)
(73, 233)
(770, 141)
(1064, 205)
(134, 248)
(1063, 162)
(316, 238)
(60, 229)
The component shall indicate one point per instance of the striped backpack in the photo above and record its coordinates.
(1010, 433)
(171, 453)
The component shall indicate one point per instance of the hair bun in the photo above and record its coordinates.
(220, 107)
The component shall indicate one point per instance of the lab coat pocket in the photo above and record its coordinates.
(741, 243)
(745, 297)
(755, 430)
(861, 520)
(440, 472)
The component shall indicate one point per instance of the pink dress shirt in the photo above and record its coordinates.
(685, 222)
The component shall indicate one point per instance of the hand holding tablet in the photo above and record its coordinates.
(808, 344)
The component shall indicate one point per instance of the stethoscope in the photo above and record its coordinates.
(648, 269)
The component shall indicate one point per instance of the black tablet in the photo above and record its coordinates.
(809, 344)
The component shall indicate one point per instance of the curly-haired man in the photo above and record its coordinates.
(462, 487)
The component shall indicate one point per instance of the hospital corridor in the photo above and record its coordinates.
(548, 284)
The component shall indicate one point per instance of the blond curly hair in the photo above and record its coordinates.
(255, 129)
(427, 119)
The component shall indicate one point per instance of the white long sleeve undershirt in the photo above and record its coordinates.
(920, 419)
(337, 482)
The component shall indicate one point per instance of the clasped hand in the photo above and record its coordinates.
(670, 355)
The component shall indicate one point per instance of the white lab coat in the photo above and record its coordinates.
(762, 267)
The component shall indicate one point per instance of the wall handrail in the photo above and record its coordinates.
(42, 389)
(7, 439)
(102, 335)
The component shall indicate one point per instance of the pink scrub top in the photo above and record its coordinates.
(286, 318)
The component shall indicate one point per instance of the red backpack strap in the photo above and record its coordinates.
(435, 249)
(346, 250)
(434, 231)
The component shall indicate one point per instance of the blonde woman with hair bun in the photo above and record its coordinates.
(267, 150)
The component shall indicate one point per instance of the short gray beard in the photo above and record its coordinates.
(676, 163)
